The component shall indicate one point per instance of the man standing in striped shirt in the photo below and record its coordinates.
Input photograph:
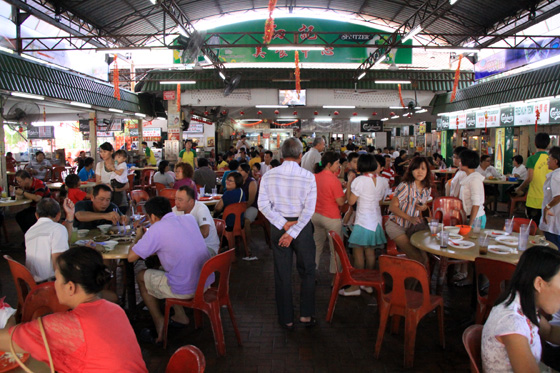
(287, 198)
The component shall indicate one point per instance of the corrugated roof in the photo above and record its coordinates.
(21, 75)
(525, 86)
(311, 78)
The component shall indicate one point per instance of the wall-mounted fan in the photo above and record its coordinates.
(192, 46)
(231, 84)
(22, 114)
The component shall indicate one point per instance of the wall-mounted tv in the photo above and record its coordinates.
(290, 97)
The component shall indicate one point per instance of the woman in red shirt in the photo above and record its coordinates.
(94, 336)
(330, 197)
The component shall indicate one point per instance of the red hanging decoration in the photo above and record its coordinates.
(285, 124)
(259, 112)
(457, 126)
(178, 98)
(44, 114)
(392, 114)
(485, 122)
(354, 113)
(456, 82)
(276, 112)
(336, 113)
(400, 97)
(206, 113)
(537, 117)
(295, 113)
(374, 113)
(116, 90)
(298, 79)
(252, 124)
(269, 24)
(241, 113)
(315, 112)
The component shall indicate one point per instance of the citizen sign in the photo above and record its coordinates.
(507, 118)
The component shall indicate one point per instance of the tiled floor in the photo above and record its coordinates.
(345, 345)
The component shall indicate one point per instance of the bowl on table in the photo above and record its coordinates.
(464, 229)
(452, 229)
(110, 245)
(83, 232)
(104, 228)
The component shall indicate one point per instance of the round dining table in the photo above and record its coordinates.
(423, 240)
(501, 182)
(16, 202)
(211, 201)
(83, 185)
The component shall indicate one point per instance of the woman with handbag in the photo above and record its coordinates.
(95, 335)
(410, 201)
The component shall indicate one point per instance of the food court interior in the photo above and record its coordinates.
(423, 77)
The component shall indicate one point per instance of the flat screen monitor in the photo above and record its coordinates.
(290, 97)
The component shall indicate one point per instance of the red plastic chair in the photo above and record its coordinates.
(159, 187)
(220, 228)
(350, 275)
(448, 210)
(498, 273)
(391, 245)
(130, 178)
(211, 301)
(186, 359)
(472, 339)
(262, 222)
(169, 193)
(24, 282)
(146, 181)
(513, 203)
(412, 305)
(518, 222)
(140, 197)
(42, 300)
(58, 174)
(236, 209)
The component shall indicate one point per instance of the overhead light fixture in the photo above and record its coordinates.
(6, 50)
(339, 107)
(140, 115)
(394, 117)
(362, 75)
(415, 31)
(161, 118)
(207, 59)
(271, 106)
(323, 119)
(80, 104)
(222, 75)
(381, 59)
(358, 119)
(397, 107)
(27, 95)
(153, 2)
(116, 110)
(417, 108)
(384, 119)
(451, 2)
(293, 48)
(421, 111)
(178, 82)
(392, 82)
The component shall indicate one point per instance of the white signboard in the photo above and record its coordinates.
(524, 114)
(493, 119)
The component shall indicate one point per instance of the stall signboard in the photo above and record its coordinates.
(104, 134)
(524, 114)
(174, 133)
(169, 95)
(84, 125)
(421, 128)
(438, 124)
(371, 126)
(543, 108)
(405, 131)
(146, 132)
(554, 113)
(500, 149)
(471, 120)
(42, 132)
(506, 116)
(195, 127)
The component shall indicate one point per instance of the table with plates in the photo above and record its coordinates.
(423, 240)
(83, 185)
(210, 201)
(143, 168)
(6, 202)
(501, 182)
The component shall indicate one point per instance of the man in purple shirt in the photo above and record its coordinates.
(181, 249)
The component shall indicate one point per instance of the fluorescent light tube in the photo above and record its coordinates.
(140, 115)
(358, 119)
(381, 59)
(271, 106)
(222, 75)
(397, 107)
(116, 110)
(6, 50)
(161, 118)
(27, 95)
(384, 119)
(392, 82)
(323, 119)
(80, 104)
(293, 48)
(338, 107)
(415, 31)
(394, 117)
(362, 75)
(178, 82)
(421, 111)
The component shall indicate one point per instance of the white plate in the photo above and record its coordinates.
(499, 249)
(82, 242)
(461, 244)
(495, 233)
(453, 236)
(535, 242)
(508, 240)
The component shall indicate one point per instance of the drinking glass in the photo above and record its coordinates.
(509, 226)
(201, 193)
(214, 191)
(476, 228)
(523, 237)
(434, 225)
(483, 244)
(443, 239)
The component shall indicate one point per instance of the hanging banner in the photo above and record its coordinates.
(42, 132)
(471, 120)
(371, 126)
(493, 119)
(524, 114)
(506, 116)
(554, 113)
(174, 133)
(500, 149)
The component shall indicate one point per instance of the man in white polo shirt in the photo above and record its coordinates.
(47, 238)
(185, 203)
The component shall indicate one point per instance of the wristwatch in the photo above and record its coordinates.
(548, 207)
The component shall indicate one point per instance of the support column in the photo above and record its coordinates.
(93, 136)
(140, 134)
(508, 154)
(3, 179)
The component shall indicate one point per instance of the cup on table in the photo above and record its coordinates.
(434, 225)
(214, 191)
(4, 194)
(523, 237)
(476, 226)
(201, 192)
(483, 242)
(443, 239)
(508, 226)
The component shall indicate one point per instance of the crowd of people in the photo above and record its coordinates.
(302, 198)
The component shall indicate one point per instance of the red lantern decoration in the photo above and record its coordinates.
(336, 113)
(315, 112)
(354, 113)
(276, 112)
(241, 113)
(409, 115)
(538, 116)
(206, 113)
(392, 114)
(295, 113)
(259, 112)
(20, 129)
(192, 112)
(224, 112)
(374, 113)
